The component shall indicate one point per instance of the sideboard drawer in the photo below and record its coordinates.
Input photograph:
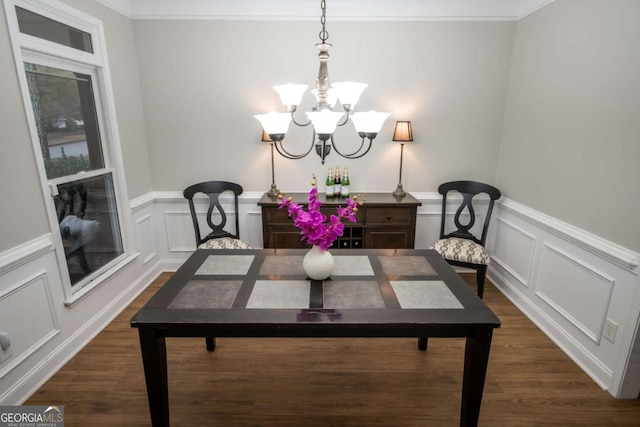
(388, 215)
(276, 215)
(328, 211)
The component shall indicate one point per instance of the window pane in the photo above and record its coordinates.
(65, 114)
(89, 225)
(53, 31)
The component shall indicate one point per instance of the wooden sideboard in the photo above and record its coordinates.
(382, 222)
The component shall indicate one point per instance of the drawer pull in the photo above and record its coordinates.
(388, 216)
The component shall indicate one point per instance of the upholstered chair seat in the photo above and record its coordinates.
(224, 243)
(461, 250)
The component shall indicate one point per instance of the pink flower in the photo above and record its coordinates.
(312, 223)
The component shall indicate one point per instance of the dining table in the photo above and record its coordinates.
(371, 293)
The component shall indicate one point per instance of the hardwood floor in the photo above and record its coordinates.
(332, 382)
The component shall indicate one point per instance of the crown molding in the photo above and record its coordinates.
(123, 7)
(346, 10)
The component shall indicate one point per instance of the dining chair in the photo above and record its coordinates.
(461, 247)
(219, 237)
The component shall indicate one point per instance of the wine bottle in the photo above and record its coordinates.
(346, 183)
(337, 188)
(329, 192)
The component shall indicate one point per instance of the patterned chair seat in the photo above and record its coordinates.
(463, 250)
(224, 243)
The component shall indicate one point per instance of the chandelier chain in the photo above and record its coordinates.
(324, 34)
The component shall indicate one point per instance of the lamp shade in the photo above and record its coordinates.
(325, 121)
(403, 131)
(349, 92)
(370, 122)
(291, 94)
(266, 137)
(274, 123)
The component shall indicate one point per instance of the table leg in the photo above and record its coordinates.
(211, 343)
(154, 359)
(476, 358)
(422, 343)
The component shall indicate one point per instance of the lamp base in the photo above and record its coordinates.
(399, 192)
(273, 191)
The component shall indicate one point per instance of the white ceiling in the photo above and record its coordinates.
(461, 10)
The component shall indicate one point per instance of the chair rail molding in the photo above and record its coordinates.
(25, 253)
(617, 254)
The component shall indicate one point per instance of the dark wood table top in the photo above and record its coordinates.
(369, 199)
(264, 292)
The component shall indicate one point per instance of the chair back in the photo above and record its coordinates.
(214, 189)
(468, 189)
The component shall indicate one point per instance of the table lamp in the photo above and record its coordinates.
(402, 133)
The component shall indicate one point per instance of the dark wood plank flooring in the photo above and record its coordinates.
(332, 382)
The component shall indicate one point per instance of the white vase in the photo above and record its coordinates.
(318, 264)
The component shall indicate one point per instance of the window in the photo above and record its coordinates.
(48, 29)
(65, 114)
(89, 225)
(65, 76)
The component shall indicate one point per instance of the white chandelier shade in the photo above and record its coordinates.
(274, 123)
(370, 122)
(349, 93)
(325, 121)
(291, 94)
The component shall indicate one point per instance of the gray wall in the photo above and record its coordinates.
(568, 148)
(202, 82)
(22, 211)
(571, 140)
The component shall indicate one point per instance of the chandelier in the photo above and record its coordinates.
(323, 119)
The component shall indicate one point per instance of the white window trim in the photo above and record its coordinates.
(27, 48)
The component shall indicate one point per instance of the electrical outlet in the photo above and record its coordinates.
(5, 354)
(610, 329)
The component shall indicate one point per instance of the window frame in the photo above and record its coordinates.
(30, 49)
(53, 62)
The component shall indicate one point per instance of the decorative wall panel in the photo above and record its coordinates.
(514, 250)
(576, 290)
(27, 315)
(146, 238)
(180, 237)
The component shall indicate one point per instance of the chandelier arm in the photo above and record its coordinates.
(354, 154)
(346, 119)
(284, 153)
(295, 122)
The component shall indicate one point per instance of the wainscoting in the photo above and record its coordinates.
(570, 283)
(45, 330)
(575, 287)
